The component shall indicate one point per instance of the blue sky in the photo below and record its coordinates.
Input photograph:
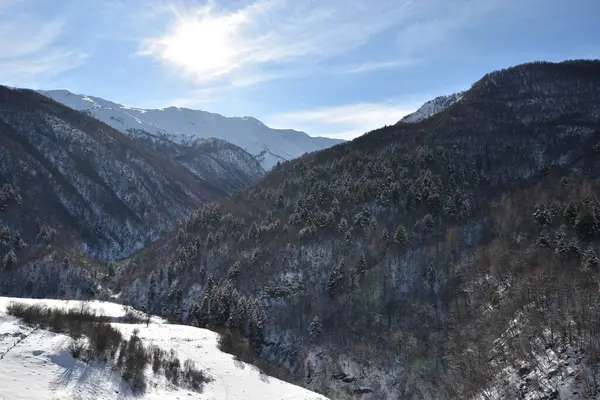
(329, 67)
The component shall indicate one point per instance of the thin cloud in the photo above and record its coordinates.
(344, 121)
(207, 43)
(377, 66)
(29, 51)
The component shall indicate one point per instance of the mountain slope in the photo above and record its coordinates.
(90, 182)
(221, 163)
(184, 125)
(388, 266)
(432, 107)
(37, 364)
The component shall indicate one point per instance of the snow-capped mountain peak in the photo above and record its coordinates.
(432, 107)
(183, 125)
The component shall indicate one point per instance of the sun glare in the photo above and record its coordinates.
(204, 45)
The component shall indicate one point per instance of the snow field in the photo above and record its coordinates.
(37, 364)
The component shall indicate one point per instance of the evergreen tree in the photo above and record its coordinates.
(4, 236)
(335, 282)
(343, 226)
(10, 259)
(18, 241)
(361, 267)
(385, 237)
(180, 236)
(315, 330)
(591, 262)
(256, 325)
(210, 241)
(151, 292)
(234, 271)
(348, 238)
(401, 235)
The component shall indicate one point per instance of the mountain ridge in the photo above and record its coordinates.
(183, 125)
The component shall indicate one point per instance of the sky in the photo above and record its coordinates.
(334, 68)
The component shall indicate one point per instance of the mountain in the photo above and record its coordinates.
(183, 125)
(432, 107)
(454, 257)
(70, 174)
(221, 163)
(39, 364)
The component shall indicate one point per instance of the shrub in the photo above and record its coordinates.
(104, 340)
(172, 367)
(77, 347)
(135, 361)
(192, 376)
(158, 359)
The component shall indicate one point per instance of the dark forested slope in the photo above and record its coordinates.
(392, 265)
(73, 185)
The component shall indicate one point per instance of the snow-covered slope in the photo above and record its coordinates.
(432, 107)
(37, 364)
(183, 125)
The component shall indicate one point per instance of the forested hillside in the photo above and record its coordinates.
(75, 193)
(391, 266)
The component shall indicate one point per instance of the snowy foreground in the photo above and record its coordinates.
(37, 364)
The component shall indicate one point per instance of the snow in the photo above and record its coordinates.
(183, 125)
(38, 364)
(432, 107)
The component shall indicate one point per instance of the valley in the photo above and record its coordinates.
(453, 254)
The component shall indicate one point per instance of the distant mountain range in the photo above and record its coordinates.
(183, 125)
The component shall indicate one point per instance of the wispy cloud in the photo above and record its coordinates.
(209, 43)
(376, 66)
(344, 121)
(29, 51)
(274, 39)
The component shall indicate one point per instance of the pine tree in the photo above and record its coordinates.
(335, 207)
(590, 261)
(151, 292)
(234, 271)
(336, 280)
(315, 330)
(401, 235)
(348, 238)
(256, 325)
(343, 226)
(385, 237)
(210, 241)
(10, 259)
(180, 236)
(427, 223)
(18, 241)
(361, 267)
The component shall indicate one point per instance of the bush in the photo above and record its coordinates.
(77, 347)
(135, 361)
(104, 341)
(192, 376)
(172, 368)
(158, 359)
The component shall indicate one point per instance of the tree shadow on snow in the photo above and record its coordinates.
(92, 377)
